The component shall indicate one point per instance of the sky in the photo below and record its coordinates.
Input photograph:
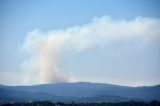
(104, 41)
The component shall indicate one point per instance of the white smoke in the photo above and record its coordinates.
(43, 48)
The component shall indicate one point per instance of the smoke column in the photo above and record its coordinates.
(42, 48)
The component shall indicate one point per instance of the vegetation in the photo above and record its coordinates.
(48, 103)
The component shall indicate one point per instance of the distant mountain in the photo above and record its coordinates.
(79, 92)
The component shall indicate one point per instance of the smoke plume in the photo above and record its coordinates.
(43, 48)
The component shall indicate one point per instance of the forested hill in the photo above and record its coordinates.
(80, 92)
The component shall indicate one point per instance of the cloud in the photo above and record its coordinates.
(43, 48)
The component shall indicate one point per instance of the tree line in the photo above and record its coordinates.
(49, 103)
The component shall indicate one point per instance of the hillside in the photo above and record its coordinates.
(79, 92)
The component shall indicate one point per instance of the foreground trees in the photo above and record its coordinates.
(48, 103)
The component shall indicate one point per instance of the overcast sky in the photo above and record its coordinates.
(107, 41)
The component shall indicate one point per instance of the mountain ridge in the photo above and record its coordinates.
(80, 92)
(82, 82)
